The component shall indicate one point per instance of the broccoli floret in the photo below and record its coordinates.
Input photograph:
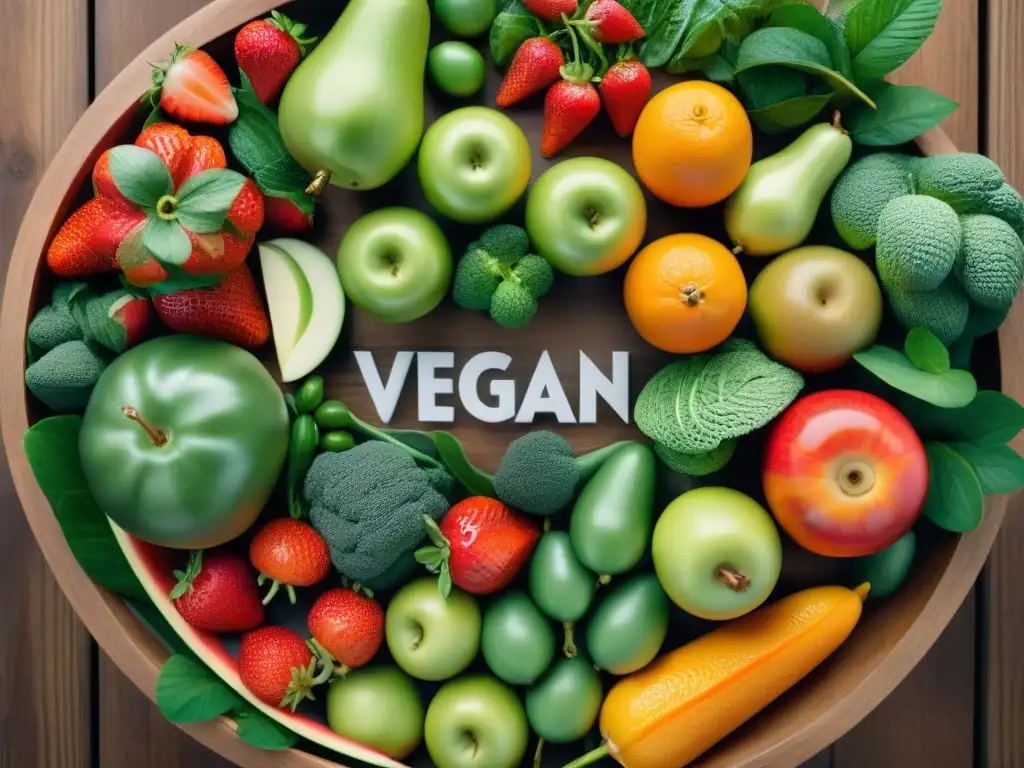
(964, 181)
(540, 475)
(64, 377)
(499, 275)
(368, 503)
(990, 265)
(52, 327)
(918, 242)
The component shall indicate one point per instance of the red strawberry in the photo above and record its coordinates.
(172, 144)
(231, 311)
(612, 24)
(480, 545)
(217, 593)
(569, 107)
(291, 553)
(268, 51)
(277, 665)
(625, 89)
(536, 65)
(347, 625)
(207, 153)
(550, 10)
(285, 216)
(191, 87)
(87, 242)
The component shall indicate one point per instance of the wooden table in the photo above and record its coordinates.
(64, 705)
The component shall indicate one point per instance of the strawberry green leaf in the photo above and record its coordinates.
(167, 241)
(189, 692)
(258, 730)
(140, 175)
(205, 199)
(131, 252)
(188, 576)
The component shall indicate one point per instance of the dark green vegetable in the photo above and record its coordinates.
(629, 626)
(63, 378)
(453, 454)
(310, 394)
(886, 571)
(560, 584)
(334, 414)
(563, 707)
(336, 441)
(302, 447)
(517, 641)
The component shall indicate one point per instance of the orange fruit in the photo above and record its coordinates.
(693, 145)
(685, 293)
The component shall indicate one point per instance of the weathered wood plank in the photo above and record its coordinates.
(45, 657)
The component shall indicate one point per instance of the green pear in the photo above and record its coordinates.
(352, 113)
(775, 207)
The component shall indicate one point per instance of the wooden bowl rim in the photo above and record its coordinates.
(139, 654)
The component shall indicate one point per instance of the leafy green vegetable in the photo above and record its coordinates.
(453, 454)
(1000, 468)
(901, 114)
(792, 113)
(809, 19)
(992, 419)
(51, 447)
(189, 692)
(882, 35)
(953, 389)
(258, 730)
(509, 31)
(836, 9)
(766, 86)
(926, 351)
(418, 441)
(955, 501)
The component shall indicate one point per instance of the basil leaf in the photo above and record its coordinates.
(809, 19)
(453, 454)
(51, 447)
(416, 440)
(953, 389)
(796, 49)
(167, 241)
(1000, 469)
(205, 199)
(140, 175)
(955, 501)
(258, 730)
(789, 114)
(882, 35)
(903, 112)
(717, 69)
(765, 86)
(926, 351)
(189, 692)
(508, 32)
(990, 420)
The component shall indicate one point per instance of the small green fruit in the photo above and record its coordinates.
(457, 68)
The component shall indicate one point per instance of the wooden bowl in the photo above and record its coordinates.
(891, 639)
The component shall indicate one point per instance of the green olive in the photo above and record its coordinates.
(466, 18)
(333, 414)
(310, 394)
(336, 441)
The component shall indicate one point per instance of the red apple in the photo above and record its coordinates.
(845, 474)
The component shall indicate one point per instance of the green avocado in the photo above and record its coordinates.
(517, 641)
(353, 111)
(627, 629)
(563, 707)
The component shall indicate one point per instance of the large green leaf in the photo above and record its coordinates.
(258, 730)
(809, 19)
(953, 389)
(789, 114)
(955, 501)
(1000, 468)
(991, 419)
(189, 692)
(902, 113)
(926, 351)
(453, 454)
(882, 35)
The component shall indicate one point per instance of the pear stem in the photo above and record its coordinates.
(733, 579)
(158, 437)
(837, 122)
(319, 183)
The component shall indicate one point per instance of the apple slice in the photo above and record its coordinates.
(306, 302)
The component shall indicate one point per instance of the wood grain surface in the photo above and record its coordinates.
(929, 720)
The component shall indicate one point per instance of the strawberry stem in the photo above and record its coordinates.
(575, 40)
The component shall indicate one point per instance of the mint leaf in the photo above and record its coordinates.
(1000, 469)
(809, 19)
(452, 453)
(189, 692)
(903, 112)
(798, 50)
(953, 389)
(789, 114)
(140, 175)
(955, 501)
(882, 35)
(205, 199)
(258, 730)
(509, 31)
(926, 351)
(166, 240)
(990, 420)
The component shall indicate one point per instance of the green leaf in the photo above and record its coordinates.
(789, 114)
(798, 50)
(990, 420)
(836, 9)
(1000, 468)
(509, 31)
(453, 454)
(166, 241)
(809, 19)
(666, 24)
(955, 501)
(902, 113)
(258, 730)
(205, 199)
(189, 692)
(765, 86)
(926, 351)
(953, 389)
(882, 35)
(51, 446)
(156, 115)
(419, 441)
(717, 69)
(140, 175)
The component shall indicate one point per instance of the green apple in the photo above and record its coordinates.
(474, 164)
(380, 707)
(717, 553)
(396, 264)
(816, 306)
(586, 216)
(476, 722)
(306, 304)
(430, 637)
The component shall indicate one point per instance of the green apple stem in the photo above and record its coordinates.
(569, 646)
(604, 580)
(590, 758)
(735, 580)
(538, 754)
(157, 436)
(319, 183)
